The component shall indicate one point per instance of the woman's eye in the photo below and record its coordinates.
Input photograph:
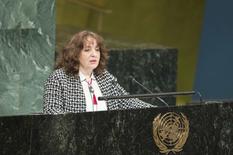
(87, 49)
(97, 49)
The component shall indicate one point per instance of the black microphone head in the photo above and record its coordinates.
(114, 81)
(132, 78)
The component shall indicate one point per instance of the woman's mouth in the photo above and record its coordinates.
(93, 61)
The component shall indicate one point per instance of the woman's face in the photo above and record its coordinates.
(89, 55)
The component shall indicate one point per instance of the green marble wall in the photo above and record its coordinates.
(27, 39)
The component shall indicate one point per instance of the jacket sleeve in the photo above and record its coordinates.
(52, 99)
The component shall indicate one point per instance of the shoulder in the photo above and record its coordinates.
(106, 76)
(57, 75)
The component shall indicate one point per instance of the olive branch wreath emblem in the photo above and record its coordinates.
(170, 132)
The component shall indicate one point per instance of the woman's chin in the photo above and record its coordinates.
(93, 67)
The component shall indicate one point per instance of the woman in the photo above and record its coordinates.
(81, 77)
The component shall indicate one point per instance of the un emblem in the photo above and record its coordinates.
(170, 132)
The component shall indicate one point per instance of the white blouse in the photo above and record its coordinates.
(101, 105)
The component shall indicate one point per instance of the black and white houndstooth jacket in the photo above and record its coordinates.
(64, 94)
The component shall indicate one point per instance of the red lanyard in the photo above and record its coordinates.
(94, 100)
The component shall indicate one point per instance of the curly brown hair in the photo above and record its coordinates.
(68, 58)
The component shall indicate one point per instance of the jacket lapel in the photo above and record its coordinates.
(104, 86)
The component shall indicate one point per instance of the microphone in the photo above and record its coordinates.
(159, 98)
(114, 83)
(200, 97)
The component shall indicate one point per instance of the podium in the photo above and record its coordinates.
(117, 132)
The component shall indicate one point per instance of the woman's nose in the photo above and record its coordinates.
(93, 53)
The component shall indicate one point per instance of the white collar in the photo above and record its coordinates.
(83, 78)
